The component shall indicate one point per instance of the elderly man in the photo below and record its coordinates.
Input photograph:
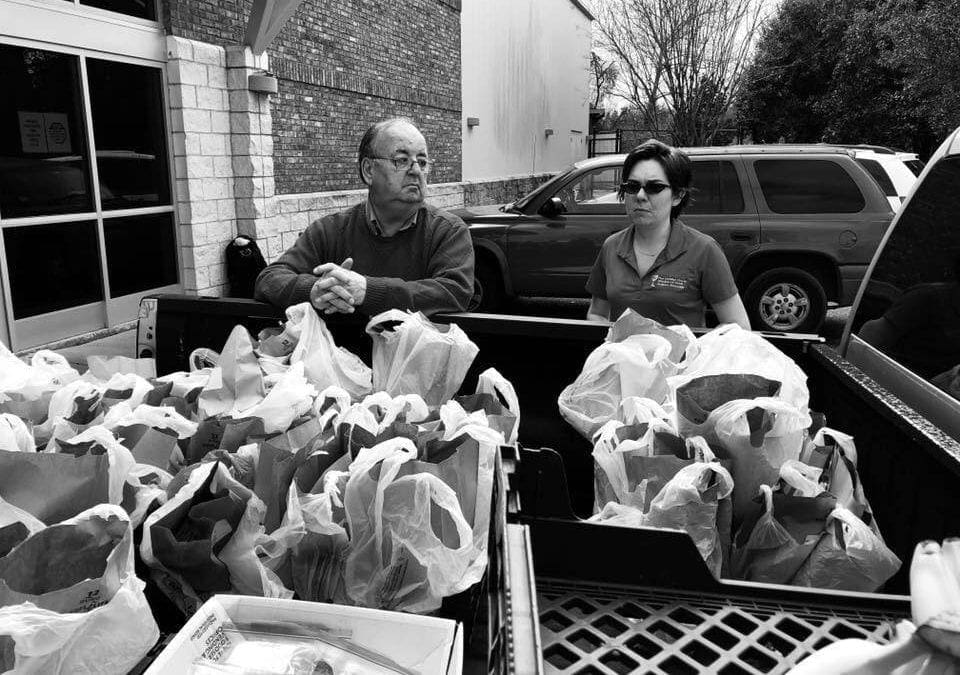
(391, 251)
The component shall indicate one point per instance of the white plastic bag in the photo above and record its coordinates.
(236, 383)
(103, 367)
(683, 343)
(638, 410)
(413, 355)
(620, 515)
(319, 558)
(26, 389)
(756, 451)
(109, 640)
(247, 573)
(89, 625)
(396, 559)
(492, 382)
(14, 435)
(184, 382)
(849, 557)
(120, 459)
(10, 514)
(324, 363)
(691, 501)
(637, 366)
(729, 349)
(138, 387)
(770, 554)
(155, 417)
(291, 397)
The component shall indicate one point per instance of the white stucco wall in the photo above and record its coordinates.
(525, 69)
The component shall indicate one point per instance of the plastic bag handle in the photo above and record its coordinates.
(378, 323)
(501, 387)
(700, 449)
(445, 498)
(767, 493)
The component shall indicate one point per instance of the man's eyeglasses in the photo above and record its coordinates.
(406, 163)
(633, 187)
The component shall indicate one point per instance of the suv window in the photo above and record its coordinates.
(593, 192)
(808, 186)
(878, 174)
(910, 308)
(715, 188)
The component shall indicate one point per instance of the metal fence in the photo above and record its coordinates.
(622, 140)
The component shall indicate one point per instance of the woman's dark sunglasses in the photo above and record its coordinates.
(632, 187)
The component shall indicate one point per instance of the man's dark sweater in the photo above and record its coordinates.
(427, 267)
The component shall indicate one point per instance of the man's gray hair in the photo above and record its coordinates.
(370, 138)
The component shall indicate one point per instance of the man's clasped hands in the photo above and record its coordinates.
(339, 288)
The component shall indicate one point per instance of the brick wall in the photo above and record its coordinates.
(342, 65)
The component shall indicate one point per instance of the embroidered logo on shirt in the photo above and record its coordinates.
(664, 281)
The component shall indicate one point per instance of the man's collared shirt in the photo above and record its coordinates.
(690, 273)
(374, 222)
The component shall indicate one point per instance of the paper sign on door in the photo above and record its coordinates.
(44, 132)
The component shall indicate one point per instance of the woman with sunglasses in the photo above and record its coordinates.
(658, 266)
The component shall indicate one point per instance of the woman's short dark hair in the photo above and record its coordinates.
(675, 163)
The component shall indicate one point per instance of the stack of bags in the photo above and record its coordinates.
(714, 435)
(290, 469)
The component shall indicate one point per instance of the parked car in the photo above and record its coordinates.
(892, 174)
(912, 160)
(798, 225)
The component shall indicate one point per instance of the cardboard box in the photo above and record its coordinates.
(424, 644)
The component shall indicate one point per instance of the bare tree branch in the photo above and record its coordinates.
(681, 62)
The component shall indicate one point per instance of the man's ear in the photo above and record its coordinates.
(366, 170)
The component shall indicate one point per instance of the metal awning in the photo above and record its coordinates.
(266, 19)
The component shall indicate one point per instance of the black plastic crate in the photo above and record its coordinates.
(616, 600)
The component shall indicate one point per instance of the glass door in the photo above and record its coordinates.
(86, 218)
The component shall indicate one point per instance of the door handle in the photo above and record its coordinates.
(741, 236)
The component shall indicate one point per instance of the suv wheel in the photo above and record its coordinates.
(786, 300)
(488, 278)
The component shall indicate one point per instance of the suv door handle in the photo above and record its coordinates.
(741, 236)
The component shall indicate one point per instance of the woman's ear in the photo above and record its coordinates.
(678, 197)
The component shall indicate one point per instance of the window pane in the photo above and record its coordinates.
(911, 305)
(128, 128)
(878, 174)
(53, 267)
(915, 165)
(43, 146)
(595, 192)
(145, 9)
(141, 253)
(716, 188)
(808, 186)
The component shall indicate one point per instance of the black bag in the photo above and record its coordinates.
(244, 263)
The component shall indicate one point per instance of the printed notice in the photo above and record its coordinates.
(44, 132)
(32, 135)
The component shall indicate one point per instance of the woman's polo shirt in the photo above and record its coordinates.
(690, 273)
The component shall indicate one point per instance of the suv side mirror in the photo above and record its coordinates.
(552, 208)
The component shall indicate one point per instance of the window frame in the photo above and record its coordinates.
(30, 331)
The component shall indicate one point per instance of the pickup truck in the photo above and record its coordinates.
(798, 225)
(591, 598)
